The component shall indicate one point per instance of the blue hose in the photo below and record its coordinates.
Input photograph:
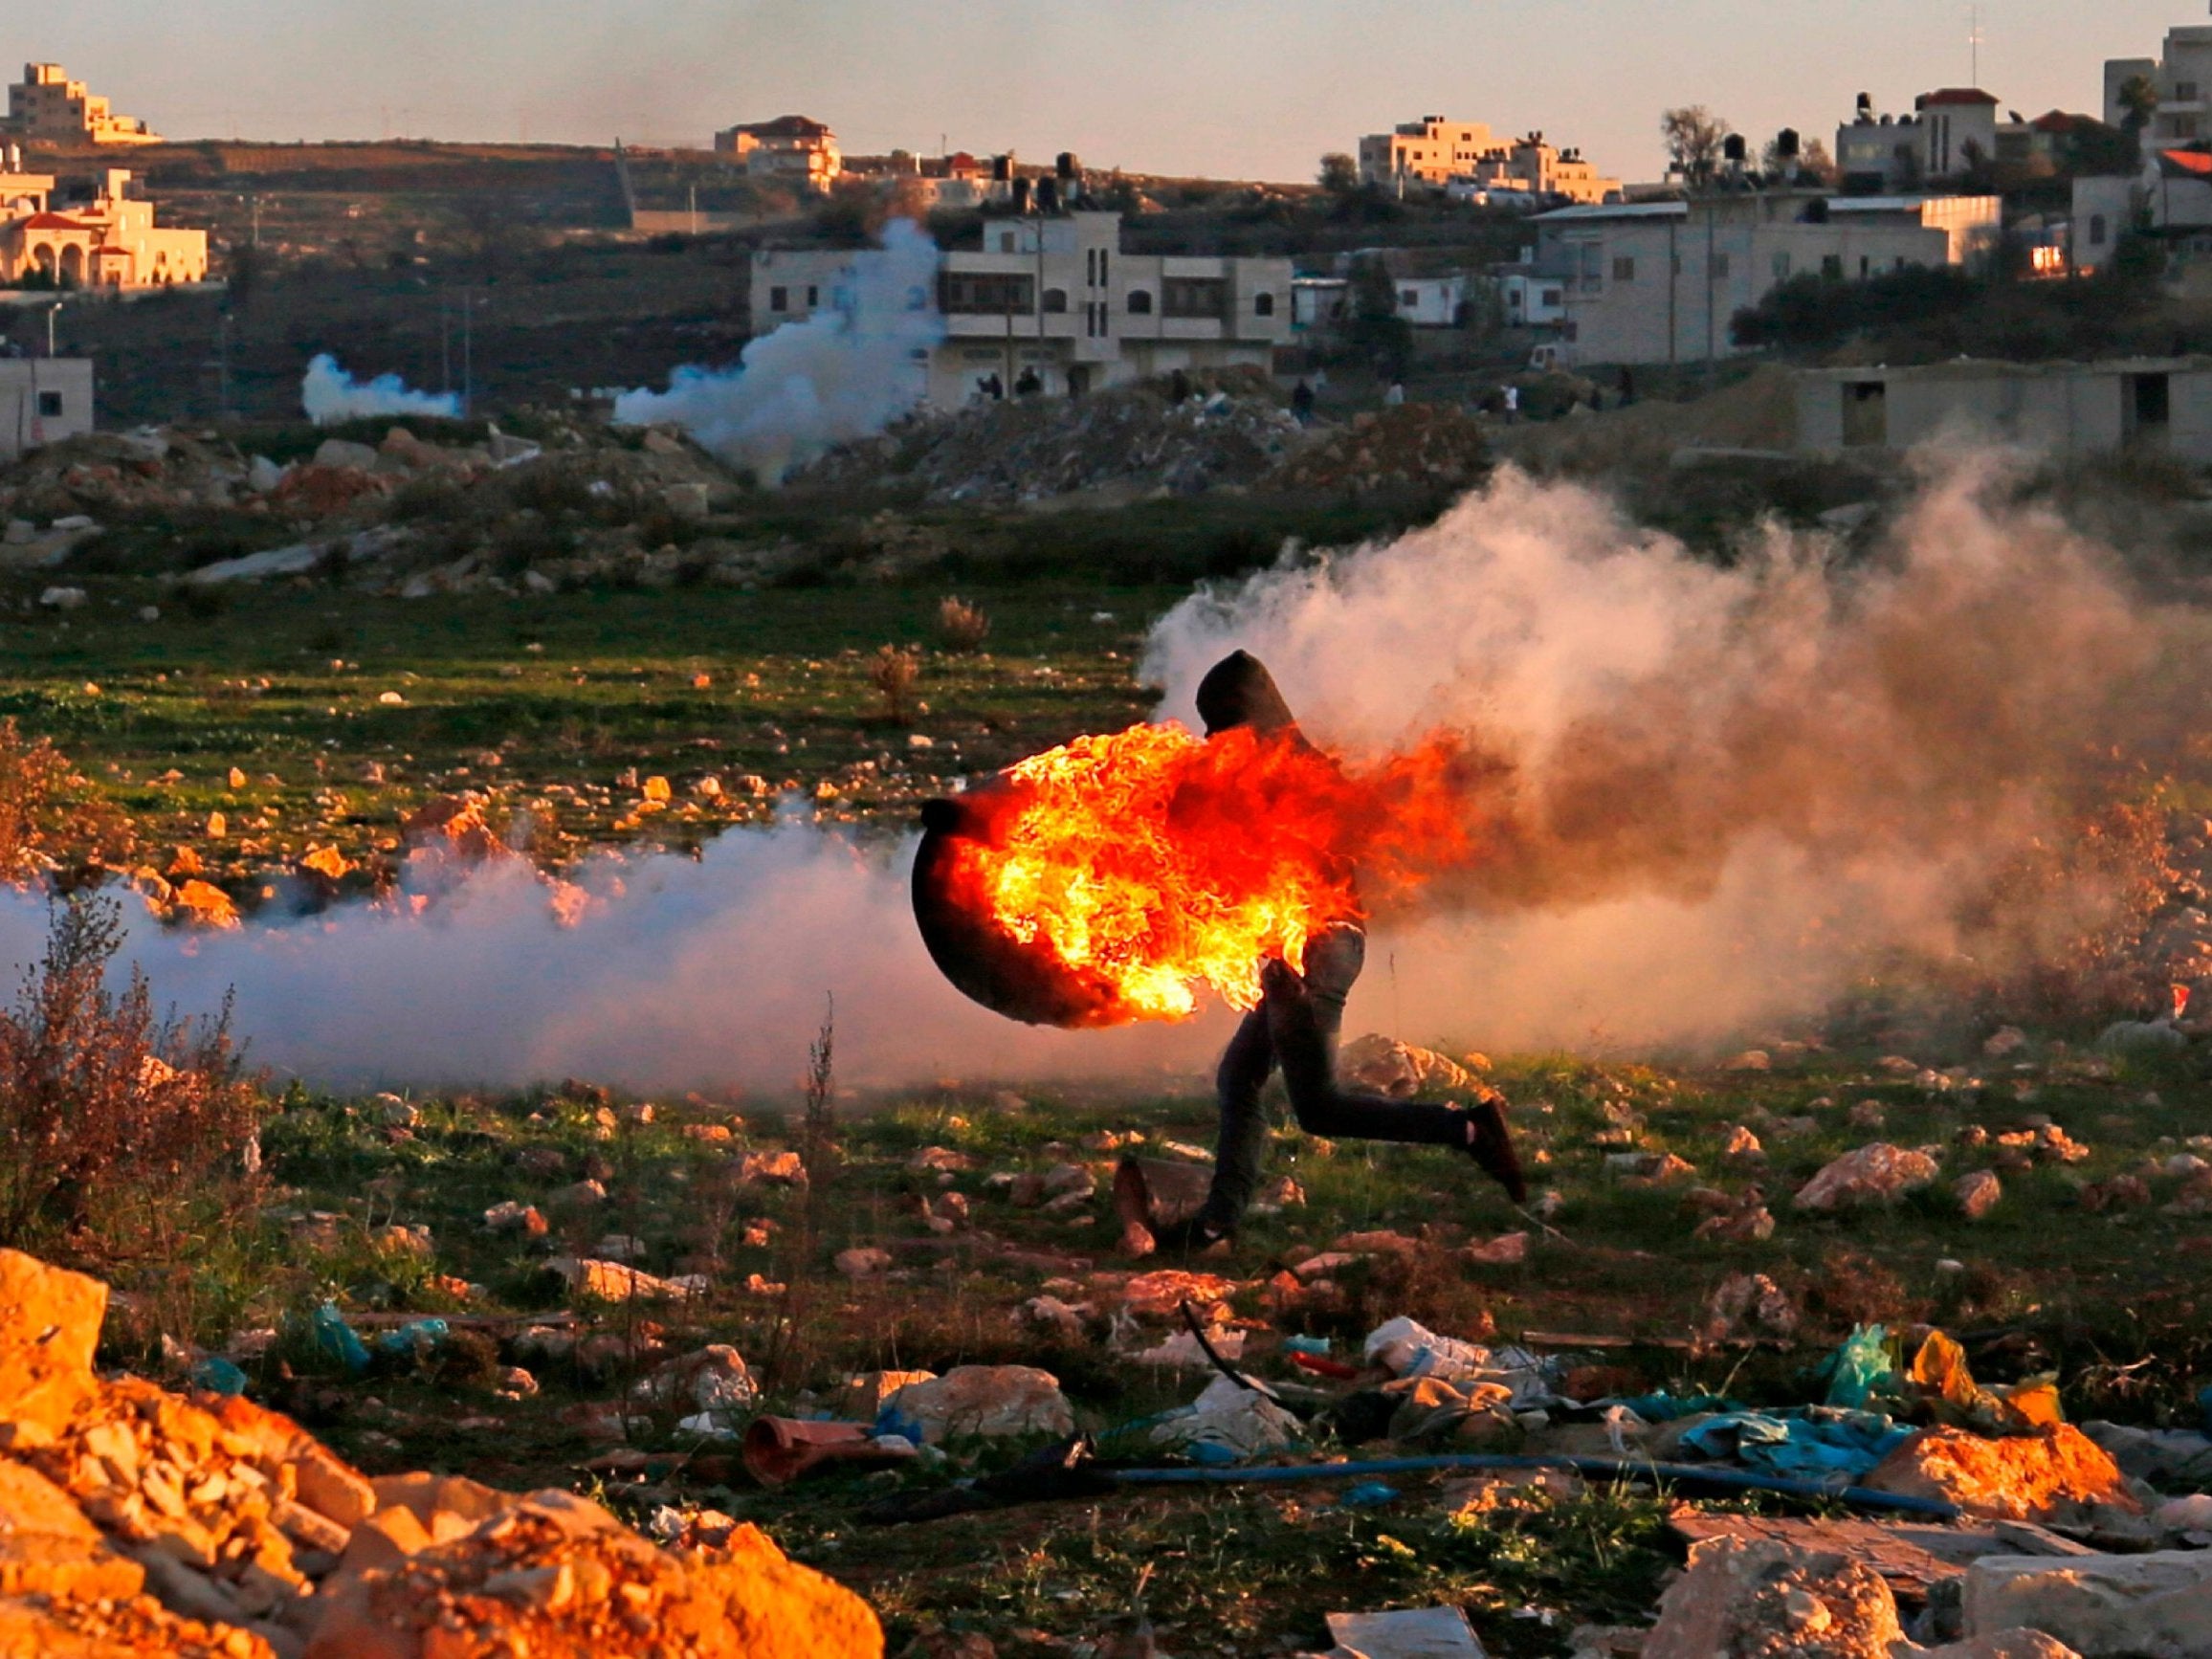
(1599, 1467)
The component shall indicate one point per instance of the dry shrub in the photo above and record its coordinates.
(960, 625)
(52, 820)
(892, 672)
(119, 1126)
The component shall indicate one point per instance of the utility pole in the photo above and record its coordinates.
(223, 368)
(1974, 43)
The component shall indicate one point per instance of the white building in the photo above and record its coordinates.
(1530, 299)
(1056, 297)
(791, 149)
(1467, 160)
(47, 105)
(1649, 282)
(2182, 77)
(42, 400)
(2064, 408)
(1431, 302)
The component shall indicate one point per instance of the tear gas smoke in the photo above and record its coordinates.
(846, 372)
(328, 393)
(1721, 788)
(1725, 788)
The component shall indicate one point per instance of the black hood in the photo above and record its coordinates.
(1238, 690)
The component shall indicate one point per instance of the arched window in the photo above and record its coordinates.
(1055, 301)
(1264, 305)
(1139, 302)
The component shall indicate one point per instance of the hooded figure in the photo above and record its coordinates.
(1295, 1028)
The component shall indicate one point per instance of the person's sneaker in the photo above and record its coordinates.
(1195, 1236)
(1491, 1145)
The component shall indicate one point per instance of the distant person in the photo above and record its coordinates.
(1302, 402)
(1627, 387)
(992, 387)
(1179, 386)
(1511, 405)
(1395, 396)
(1028, 385)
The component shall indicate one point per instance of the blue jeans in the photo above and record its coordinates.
(1334, 959)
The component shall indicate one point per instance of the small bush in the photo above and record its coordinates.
(119, 1126)
(961, 626)
(51, 822)
(892, 672)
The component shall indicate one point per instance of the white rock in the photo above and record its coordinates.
(2151, 1606)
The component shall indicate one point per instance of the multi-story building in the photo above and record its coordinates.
(1054, 296)
(109, 242)
(47, 105)
(2181, 78)
(1648, 282)
(1465, 157)
(1951, 131)
(792, 149)
(42, 400)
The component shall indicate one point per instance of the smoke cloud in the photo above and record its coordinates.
(845, 373)
(328, 394)
(1721, 790)
(709, 974)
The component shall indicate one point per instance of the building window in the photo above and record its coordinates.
(1625, 268)
(1194, 297)
(2096, 230)
(1139, 302)
(1720, 267)
(1866, 267)
(779, 300)
(813, 295)
(1055, 302)
(1551, 297)
(1573, 331)
(1263, 305)
(1101, 267)
(49, 406)
(1782, 267)
(2184, 91)
(1833, 267)
(1090, 267)
(984, 294)
(1409, 299)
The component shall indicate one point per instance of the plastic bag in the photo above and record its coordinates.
(335, 1341)
(1859, 1367)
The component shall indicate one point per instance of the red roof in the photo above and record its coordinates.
(55, 222)
(2057, 120)
(799, 126)
(1953, 95)
(2196, 162)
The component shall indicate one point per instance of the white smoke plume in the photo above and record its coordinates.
(1722, 788)
(845, 373)
(328, 394)
(709, 974)
(1719, 791)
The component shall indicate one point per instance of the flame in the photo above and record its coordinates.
(1157, 862)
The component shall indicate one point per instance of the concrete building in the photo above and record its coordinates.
(2182, 77)
(47, 105)
(1055, 296)
(110, 242)
(1530, 299)
(2065, 407)
(791, 149)
(42, 400)
(1949, 132)
(1463, 158)
(1431, 302)
(1648, 282)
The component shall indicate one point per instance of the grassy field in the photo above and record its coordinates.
(565, 705)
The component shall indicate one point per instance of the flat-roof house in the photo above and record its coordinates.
(42, 400)
(792, 148)
(2161, 403)
(1056, 297)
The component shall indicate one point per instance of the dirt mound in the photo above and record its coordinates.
(137, 1521)
(1756, 413)
(1032, 449)
(1413, 444)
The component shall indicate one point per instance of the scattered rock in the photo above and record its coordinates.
(2147, 1607)
(1978, 1193)
(1876, 1174)
(2038, 1478)
(985, 1402)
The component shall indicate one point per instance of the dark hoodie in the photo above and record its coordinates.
(1238, 690)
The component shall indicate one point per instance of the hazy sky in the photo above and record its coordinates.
(1237, 88)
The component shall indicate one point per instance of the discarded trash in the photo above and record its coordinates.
(1857, 1368)
(1368, 1494)
(776, 1451)
(1226, 1424)
(335, 1341)
(417, 1338)
(1808, 1446)
(216, 1375)
(1413, 1633)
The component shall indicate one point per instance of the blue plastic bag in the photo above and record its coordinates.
(1813, 1445)
(216, 1375)
(1859, 1367)
(335, 1339)
(1369, 1495)
(415, 1336)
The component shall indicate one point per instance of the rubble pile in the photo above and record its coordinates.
(1134, 439)
(138, 1521)
(1414, 445)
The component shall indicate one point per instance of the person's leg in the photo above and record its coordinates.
(1304, 1017)
(1238, 1153)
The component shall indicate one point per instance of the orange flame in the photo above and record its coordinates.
(1157, 862)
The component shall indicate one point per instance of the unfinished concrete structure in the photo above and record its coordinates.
(42, 400)
(2164, 404)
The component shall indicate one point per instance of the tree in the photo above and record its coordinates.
(1694, 135)
(2138, 97)
(1374, 326)
(1814, 163)
(1340, 173)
